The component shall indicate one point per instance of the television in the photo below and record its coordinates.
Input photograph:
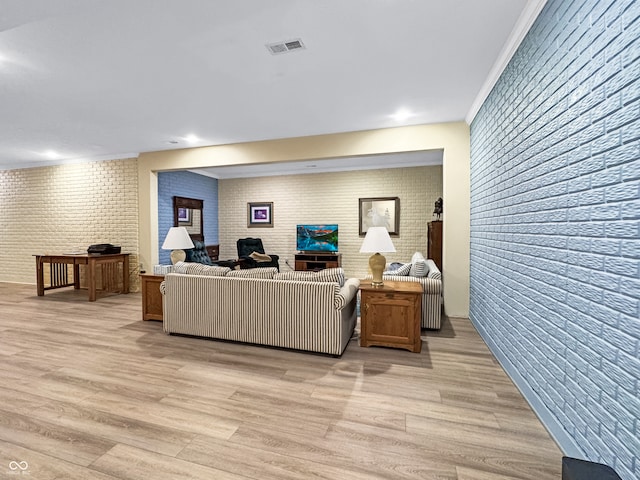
(317, 238)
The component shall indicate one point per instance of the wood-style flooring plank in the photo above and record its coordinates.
(175, 417)
(384, 399)
(431, 448)
(50, 438)
(465, 432)
(265, 464)
(362, 455)
(471, 474)
(116, 428)
(41, 466)
(130, 463)
(89, 391)
(276, 416)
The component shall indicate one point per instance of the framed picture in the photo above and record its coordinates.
(184, 217)
(260, 214)
(379, 212)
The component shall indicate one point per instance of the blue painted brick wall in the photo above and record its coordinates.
(555, 225)
(191, 185)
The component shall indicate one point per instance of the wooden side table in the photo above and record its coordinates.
(151, 296)
(213, 251)
(390, 315)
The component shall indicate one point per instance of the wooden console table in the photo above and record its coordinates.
(59, 274)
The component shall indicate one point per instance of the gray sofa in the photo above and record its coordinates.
(315, 316)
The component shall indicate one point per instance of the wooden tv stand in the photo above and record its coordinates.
(317, 261)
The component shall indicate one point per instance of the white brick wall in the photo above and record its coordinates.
(329, 198)
(65, 208)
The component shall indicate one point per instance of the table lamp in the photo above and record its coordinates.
(375, 241)
(177, 240)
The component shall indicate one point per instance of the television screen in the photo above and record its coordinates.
(317, 238)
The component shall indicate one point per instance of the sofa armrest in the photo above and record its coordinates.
(346, 293)
(163, 287)
(432, 285)
(247, 262)
(429, 285)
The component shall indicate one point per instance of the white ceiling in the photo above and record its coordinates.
(101, 79)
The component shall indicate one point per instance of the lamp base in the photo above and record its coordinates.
(178, 256)
(377, 263)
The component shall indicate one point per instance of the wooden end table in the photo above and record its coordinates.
(151, 296)
(390, 315)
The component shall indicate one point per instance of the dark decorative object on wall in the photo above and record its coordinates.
(188, 213)
(260, 214)
(438, 210)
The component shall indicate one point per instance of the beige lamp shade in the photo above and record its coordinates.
(375, 241)
(177, 240)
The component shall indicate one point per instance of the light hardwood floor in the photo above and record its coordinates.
(89, 391)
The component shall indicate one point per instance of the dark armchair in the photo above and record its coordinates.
(198, 254)
(248, 246)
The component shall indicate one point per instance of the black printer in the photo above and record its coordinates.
(104, 249)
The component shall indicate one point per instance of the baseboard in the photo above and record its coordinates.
(555, 429)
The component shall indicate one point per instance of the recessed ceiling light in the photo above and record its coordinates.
(402, 115)
(52, 155)
(191, 138)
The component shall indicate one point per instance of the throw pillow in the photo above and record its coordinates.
(260, 272)
(403, 270)
(200, 269)
(260, 257)
(417, 256)
(328, 275)
(331, 275)
(419, 268)
(435, 274)
(293, 276)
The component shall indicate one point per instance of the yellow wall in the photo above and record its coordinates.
(453, 138)
(66, 208)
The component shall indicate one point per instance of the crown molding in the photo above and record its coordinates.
(531, 11)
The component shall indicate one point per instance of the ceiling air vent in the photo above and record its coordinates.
(284, 47)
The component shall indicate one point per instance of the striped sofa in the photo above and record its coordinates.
(303, 315)
(431, 294)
